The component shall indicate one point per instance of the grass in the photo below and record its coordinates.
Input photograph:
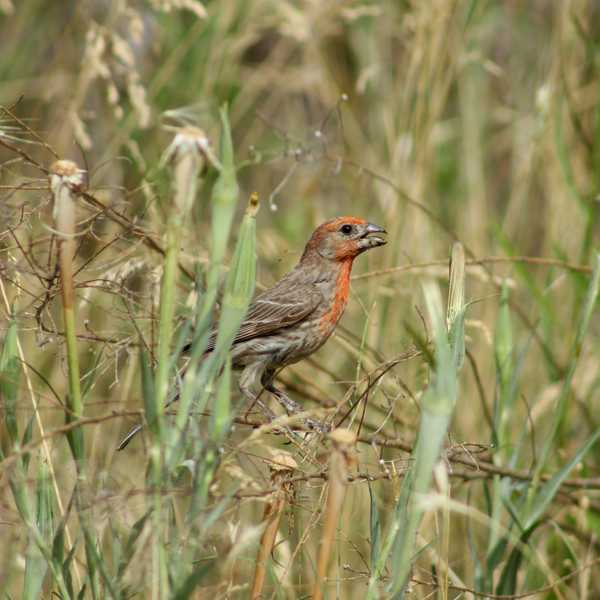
(205, 144)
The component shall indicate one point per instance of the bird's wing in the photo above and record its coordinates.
(275, 309)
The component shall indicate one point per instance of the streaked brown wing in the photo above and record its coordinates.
(275, 309)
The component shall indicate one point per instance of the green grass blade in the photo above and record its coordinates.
(240, 283)
(239, 289)
(9, 381)
(549, 489)
(35, 563)
(188, 586)
(27, 435)
(436, 411)
(507, 584)
(455, 314)
(97, 565)
(221, 412)
(560, 407)
(374, 527)
(129, 547)
(224, 201)
(148, 390)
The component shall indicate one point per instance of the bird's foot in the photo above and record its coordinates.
(271, 416)
(317, 426)
(293, 408)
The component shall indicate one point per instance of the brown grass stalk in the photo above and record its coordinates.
(342, 460)
(282, 467)
(66, 182)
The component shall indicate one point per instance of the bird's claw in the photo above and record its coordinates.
(317, 426)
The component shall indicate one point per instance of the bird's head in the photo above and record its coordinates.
(344, 238)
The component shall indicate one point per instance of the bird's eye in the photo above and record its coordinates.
(346, 229)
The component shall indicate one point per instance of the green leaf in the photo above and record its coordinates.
(88, 380)
(129, 548)
(221, 415)
(27, 435)
(503, 343)
(96, 564)
(148, 390)
(560, 406)
(240, 283)
(508, 579)
(437, 405)
(548, 490)
(82, 591)
(455, 313)
(9, 381)
(191, 582)
(66, 570)
(35, 563)
(375, 527)
(58, 544)
(224, 199)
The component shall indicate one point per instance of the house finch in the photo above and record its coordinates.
(295, 317)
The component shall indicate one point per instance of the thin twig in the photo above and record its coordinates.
(530, 260)
(541, 590)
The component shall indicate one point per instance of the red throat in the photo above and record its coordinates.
(342, 291)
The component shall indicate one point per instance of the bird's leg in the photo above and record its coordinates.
(247, 383)
(290, 406)
(248, 380)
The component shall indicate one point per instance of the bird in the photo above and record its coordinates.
(295, 317)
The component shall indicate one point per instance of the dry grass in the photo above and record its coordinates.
(446, 121)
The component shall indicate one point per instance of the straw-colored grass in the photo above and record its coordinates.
(470, 130)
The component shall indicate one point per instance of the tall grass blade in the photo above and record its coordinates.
(239, 289)
(560, 407)
(436, 411)
(374, 527)
(503, 402)
(67, 182)
(185, 590)
(98, 568)
(240, 283)
(508, 578)
(224, 201)
(130, 544)
(35, 563)
(455, 313)
(9, 383)
(549, 489)
(148, 391)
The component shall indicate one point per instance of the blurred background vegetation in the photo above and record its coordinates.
(456, 120)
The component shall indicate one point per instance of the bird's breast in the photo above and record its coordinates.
(338, 299)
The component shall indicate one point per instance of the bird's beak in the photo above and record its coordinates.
(368, 240)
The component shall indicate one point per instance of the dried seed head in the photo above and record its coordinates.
(253, 205)
(281, 465)
(187, 154)
(188, 140)
(66, 180)
(283, 462)
(70, 174)
(342, 437)
(344, 445)
(193, 6)
(6, 7)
